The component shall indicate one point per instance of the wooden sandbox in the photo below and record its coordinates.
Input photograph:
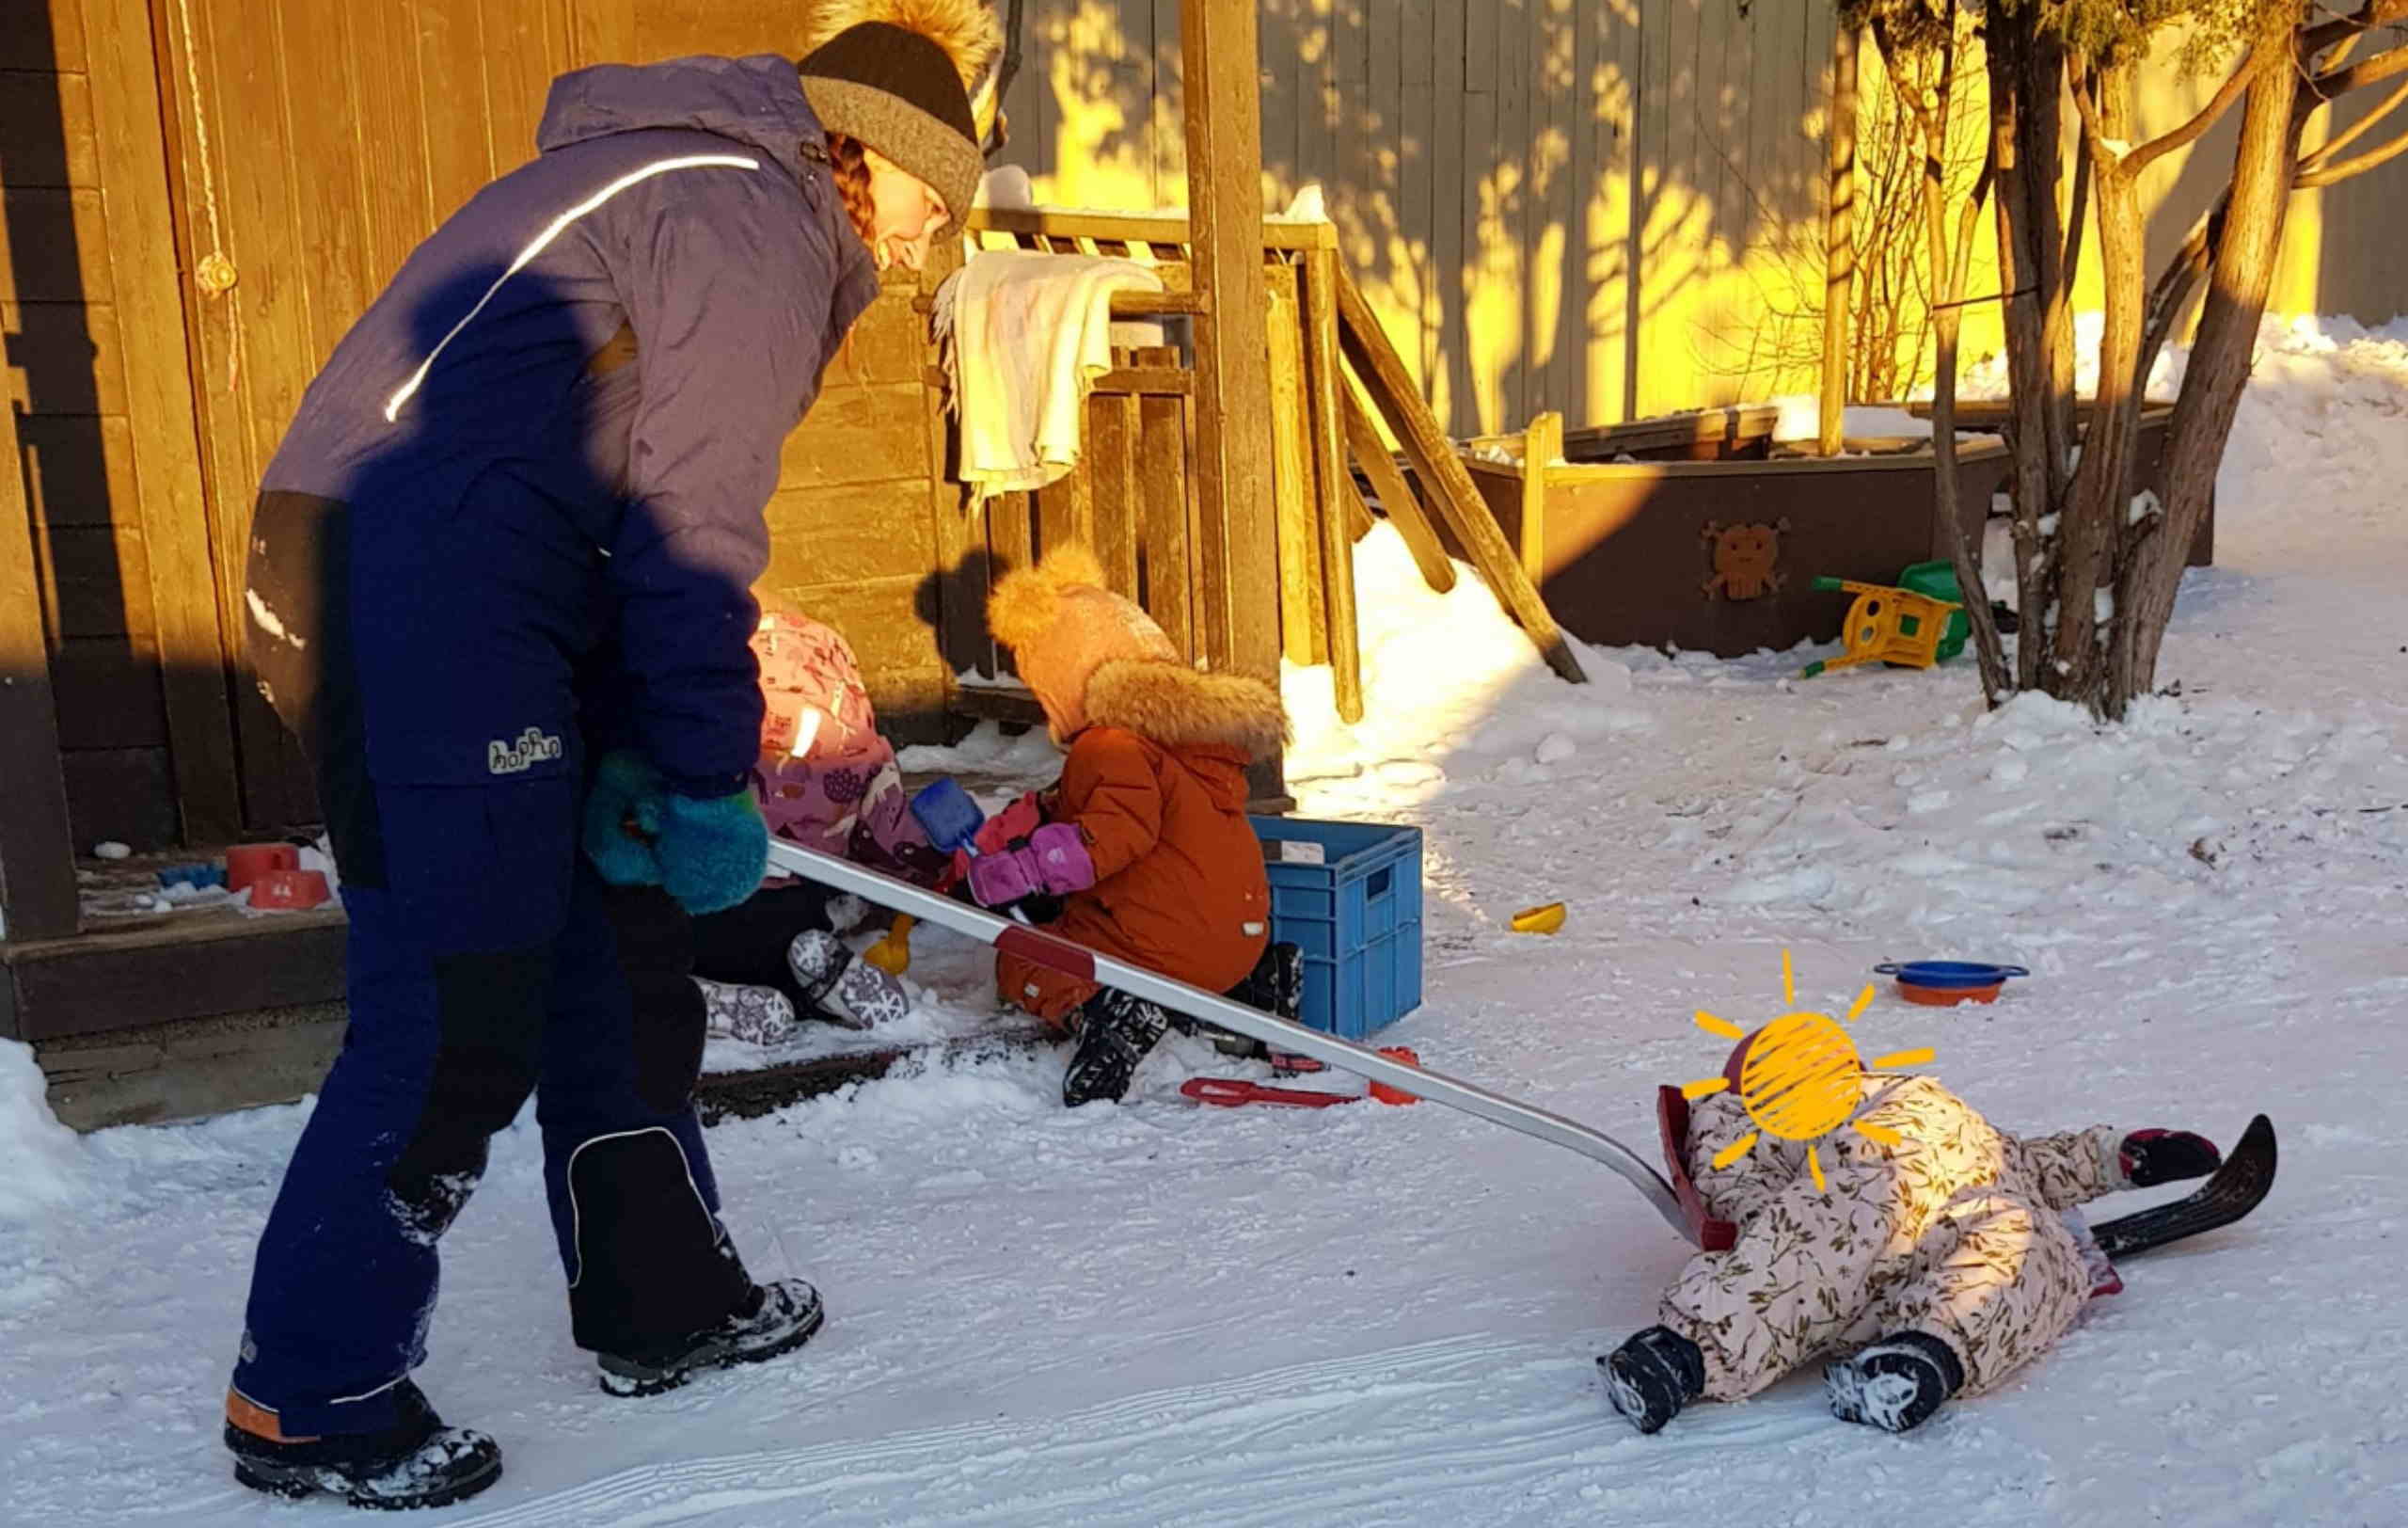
(1698, 531)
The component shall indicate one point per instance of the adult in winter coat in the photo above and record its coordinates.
(513, 526)
(1146, 836)
(1934, 1254)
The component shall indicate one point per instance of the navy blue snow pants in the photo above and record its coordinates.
(488, 960)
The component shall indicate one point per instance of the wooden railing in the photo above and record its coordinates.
(1132, 497)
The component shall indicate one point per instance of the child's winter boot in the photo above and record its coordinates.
(1896, 1384)
(841, 985)
(1276, 985)
(415, 1462)
(1115, 1032)
(756, 1015)
(782, 1317)
(1649, 1377)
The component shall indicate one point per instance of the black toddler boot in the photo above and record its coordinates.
(1115, 1032)
(1896, 1384)
(1649, 1377)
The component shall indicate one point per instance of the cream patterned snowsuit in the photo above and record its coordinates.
(1954, 1231)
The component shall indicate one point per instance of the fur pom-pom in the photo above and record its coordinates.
(1024, 602)
(967, 30)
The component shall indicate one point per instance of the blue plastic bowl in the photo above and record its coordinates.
(1950, 974)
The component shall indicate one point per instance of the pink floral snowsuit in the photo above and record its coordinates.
(826, 779)
(1954, 1231)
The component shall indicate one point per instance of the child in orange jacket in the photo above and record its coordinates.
(1145, 837)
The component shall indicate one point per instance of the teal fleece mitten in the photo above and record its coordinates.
(626, 790)
(712, 852)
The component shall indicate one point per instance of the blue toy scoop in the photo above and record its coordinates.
(1950, 973)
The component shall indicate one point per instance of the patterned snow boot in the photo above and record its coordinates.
(846, 989)
(1649, 1377)
(1896, 1384)
(415, 1462)
(783, 1316)
(1116, 1033)
(1276, 985)
(756, 1015)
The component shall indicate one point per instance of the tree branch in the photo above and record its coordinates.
(2328, 174)
(2077, 216)
(2374, 13)
(2106, 161)
(2234, 86)
(2323, 154)
(2340, 82)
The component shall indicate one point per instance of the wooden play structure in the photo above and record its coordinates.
(183, 252)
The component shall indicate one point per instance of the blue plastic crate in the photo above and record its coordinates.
(1356, 916)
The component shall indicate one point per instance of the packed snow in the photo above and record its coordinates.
(1159, 1313)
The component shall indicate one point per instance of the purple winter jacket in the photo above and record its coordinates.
(554, 434)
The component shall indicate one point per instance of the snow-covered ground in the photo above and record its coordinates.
(1161, 1314)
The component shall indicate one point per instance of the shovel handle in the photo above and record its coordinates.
(1230, 1093)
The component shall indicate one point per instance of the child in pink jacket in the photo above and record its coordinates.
(1939, 1264)
(827, 781)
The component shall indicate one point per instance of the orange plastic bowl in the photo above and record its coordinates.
(1947, 997)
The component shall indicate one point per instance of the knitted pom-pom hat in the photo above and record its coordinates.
(896, 81)
(1062, 625)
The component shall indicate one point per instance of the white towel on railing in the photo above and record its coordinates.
(1024, 335)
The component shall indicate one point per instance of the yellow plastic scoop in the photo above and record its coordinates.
(1538, 919)
(892, 954)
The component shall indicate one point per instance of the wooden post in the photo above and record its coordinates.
(1302, 617)
(1113, 428)
(1345, 624)
(1542, 443)
(1452, 490)
(36, 847)
(1220, 59)
(1839, 238)
(1395, 494)
(172, 511)
(1339, 505)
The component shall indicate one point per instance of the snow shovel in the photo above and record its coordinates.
(1059, 954)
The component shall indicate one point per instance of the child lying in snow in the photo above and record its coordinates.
(1145, 837)
(1945, 1252)
(827, 781)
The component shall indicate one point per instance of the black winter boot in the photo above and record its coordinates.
(1276, 985)
(1896, 1384)
(1649, 1377)
(1115, 1032)
(779, 1317)
(415, 1462)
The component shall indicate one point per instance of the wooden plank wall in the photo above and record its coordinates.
(337, 138)
(63, 378)
(363, 129)
(1500, 170)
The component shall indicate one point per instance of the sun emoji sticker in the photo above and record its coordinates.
(1799, 1081)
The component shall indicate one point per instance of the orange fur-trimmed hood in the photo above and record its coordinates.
(1178, 707)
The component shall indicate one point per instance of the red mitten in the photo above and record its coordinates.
(995, 836)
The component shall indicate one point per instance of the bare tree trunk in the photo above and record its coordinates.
(1839, 244)
(2023, 137)
(2074, 620)
(1949, 258)
(2264, 167)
